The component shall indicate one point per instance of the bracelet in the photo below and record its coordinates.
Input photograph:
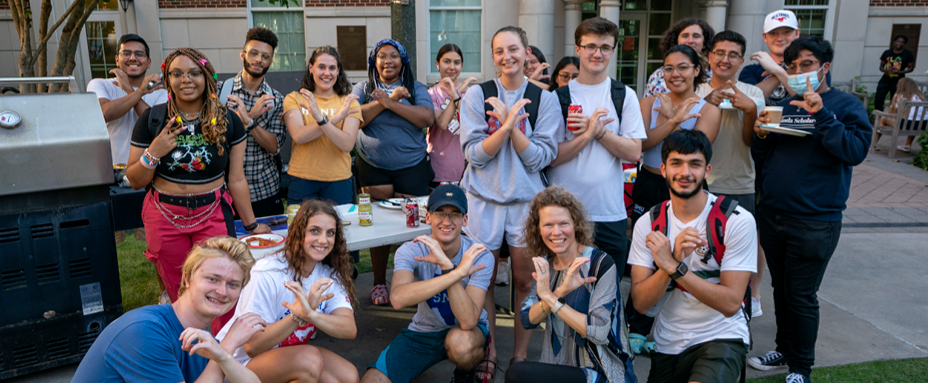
(149, 161)
(252, 227)
(446, 272)
(151, 157)
(764, 137)
(557, 307)
(300, 322)
(601, 135)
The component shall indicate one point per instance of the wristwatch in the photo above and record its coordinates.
(324, 120)
(557, 306)
(681, 271)
(252, 125)
(252, 227)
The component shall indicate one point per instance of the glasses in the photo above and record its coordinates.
(567, 76)
(732, 56)
(805, 66)
(669, 69)
(392, 57)
(138, 54)
(253, 54)
(591, 49)
(442, 215)
(193, 75)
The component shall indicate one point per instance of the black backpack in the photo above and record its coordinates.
(532, 92)
(618, 99)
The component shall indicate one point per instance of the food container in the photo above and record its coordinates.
(262, 245)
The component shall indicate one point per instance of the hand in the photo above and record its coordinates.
(122, 80)
(686, 242)
(154, 78)
(467, 267)
(202, 343)
(682, 112)
(465, 84)
(436, 255)
(499, 109)
(537, 74)
(346, 107)
(399, 93)
(666, 109)
(261, 229)
(242, 329)
(761, 120)
(305, 304)
(310, 104)
(513, 118)
(596, 124)
(264, 104)
(659, 245)
(741, 101)
(811, 100)
(578, 121)
(383, 98)
(165, 142)
(235, 103)
(448, 86)
(543, 280)
(716, 97)
(767, 62)
(573, 280)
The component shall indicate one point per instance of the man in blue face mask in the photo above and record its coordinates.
(799, 216)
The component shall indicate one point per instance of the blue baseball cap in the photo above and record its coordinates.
(448, 195)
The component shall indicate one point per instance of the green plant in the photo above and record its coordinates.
(921, 159)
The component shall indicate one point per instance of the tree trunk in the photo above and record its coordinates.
(43, 32)
(23, 25)
(70, 42)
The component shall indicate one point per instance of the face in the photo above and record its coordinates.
(805, 63)
(556, 228)
(508, 54)
(388, 63)
(567, 73)
(778, 39)
(531, 63)
(685, 173)
(446, 223)
(325, 71)
(257, 57)
(449, 65)
(319, 236)
(898, 44)
(214, 288)
(132, 59)
(725, 59)
(595, 60)
(188, 81)
(692, 36)
(680, 79)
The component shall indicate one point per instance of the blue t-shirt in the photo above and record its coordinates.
(388, 141)
(141, 346)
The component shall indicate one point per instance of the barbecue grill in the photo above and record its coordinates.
(59, 281)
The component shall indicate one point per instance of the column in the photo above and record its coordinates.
(609, 10)
(715, 14)
(536, 17)
(573, 12)
(747, 18)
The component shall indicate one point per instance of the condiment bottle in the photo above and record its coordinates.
(365, 213)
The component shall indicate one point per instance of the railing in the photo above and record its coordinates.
(8, 81)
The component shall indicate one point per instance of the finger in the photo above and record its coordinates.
(809, 84)
(800, 104)
(589, 280)
(608, 121)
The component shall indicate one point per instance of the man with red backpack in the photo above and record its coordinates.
(706, 246)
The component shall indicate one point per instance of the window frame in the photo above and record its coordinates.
(829, 15)
(301, 10)
(434, 77)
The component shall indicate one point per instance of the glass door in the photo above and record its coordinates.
(629, 58)
(99, 42)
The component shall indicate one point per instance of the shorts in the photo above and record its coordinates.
(411, 353)
(337, 192)
(650, 189)
(488, 222)
(747, 201)
(413, 180)
(267, 207)
(718, 361)
(610, 237)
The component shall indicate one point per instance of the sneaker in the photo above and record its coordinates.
(461, 376)
(755, 308)
(380, 296)
(648, 348)
(164, 299)
(502, 274)
(769, 361)
(794, 377)
(904, 148)
(636, 342)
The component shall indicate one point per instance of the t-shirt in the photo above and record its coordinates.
(444, 146)
(652, 157)
(195, 160)
(684, 320)
(595, 174)
(732, 165)
(435, 313)
(320, 159)
(895, 61)
(388, 141)
(120, 129)
(140, 346)
(915, 114)
(265, 293)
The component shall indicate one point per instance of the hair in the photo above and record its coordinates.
(906, 89)
(555, 196)
(263, 35)
(567, 60)
(518, 32)
(819, 47)
(449, 48)
(905, 39)
(538, 54)
(730, 36)
(338, 259)
(673, 34)
(129, 37)
(342, 86)
(407, 77)
(695, 59)
(687, 142)
(215, 247)
(211, 109)
(596, 26)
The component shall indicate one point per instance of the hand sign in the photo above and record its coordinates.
(811, 100)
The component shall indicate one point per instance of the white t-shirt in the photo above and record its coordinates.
(684, 321)
(732, 164)
(265, 293)
(595, 175)
(120, 129)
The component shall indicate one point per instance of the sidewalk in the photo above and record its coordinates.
(887, 194)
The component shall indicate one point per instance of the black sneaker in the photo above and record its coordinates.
(767, 362)
(461, 376)
(795, 377)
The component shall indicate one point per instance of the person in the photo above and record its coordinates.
(168, 343)
(304, 288)
(907, 90)
(800, 212)
(444, 135)
(323, 119)
(693, 32)
(506, 151)
(260, 108)
(701, 334)
(780, 29)
(593, 144)
(392, 151)
(567, 69)
(183, 157)
(732, 167)
(446, 276)
(577, 295)
(894, 63)
(536, 66)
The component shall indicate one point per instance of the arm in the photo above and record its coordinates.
(339, 324)
(670, 118)
(272, 134)
(628, 149)
(848, 140)
(571, 281)
(474, 129)
(421, 114)
(238, 187)
(444, 117)
(708, 121)
(541, 149)
(139, 176)
(777, 74)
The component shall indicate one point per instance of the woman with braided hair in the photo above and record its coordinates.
(182, 151)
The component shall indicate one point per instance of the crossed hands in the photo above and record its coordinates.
(592, 126)
(305, 304)
(508, 119)
(202, 343)
(264, 104)
(122, 81)
(676, 114)
(572, 280)
(437, 256)
(684, 245)
(387, 100)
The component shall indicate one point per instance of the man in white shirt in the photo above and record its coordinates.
(593, 143)
(701, 333)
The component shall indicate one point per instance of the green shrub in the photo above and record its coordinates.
(921, 159)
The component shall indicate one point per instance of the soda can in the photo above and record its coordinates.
(412, 213)
(574, 108)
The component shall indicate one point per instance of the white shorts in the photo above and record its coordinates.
(489, 221)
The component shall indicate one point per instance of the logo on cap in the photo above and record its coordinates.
(449, 194)
(780, 17)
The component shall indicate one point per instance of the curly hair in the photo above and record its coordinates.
(673, 34)
(214, 247)
(212, 114)
(263, 35)
(342, 86)
(555, 196)
(338, 259)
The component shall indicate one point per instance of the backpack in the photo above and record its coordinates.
(533, 93)
(617, 92)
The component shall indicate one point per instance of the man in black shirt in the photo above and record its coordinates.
(894, 63)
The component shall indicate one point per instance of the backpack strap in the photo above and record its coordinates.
(659, 217)
(533, 93)
(719, 214)
(563, 97)
(156, 119)
(489, 90)
(618, 99)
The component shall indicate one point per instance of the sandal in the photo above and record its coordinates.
(636, 342)
(379, 295)
(485, 373)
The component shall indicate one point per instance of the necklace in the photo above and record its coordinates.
(190, 116)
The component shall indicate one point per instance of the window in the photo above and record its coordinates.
(812, 15)
(287, 24)
(457, 22)
(101, 47)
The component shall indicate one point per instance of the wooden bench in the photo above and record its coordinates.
(849, 88)
(904, 127)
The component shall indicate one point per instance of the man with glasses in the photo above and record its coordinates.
(260, 107)
(446, 275)
(594, 142)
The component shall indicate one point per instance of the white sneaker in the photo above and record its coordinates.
(502, 274)
(755, 308)
(797, 378)
(164, 299)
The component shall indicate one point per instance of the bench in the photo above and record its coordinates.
(904, 127)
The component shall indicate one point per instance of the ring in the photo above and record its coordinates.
(544, 271)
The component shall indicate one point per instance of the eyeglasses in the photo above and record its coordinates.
(567, 76)
(669, 69)
(253, 54)
(591, 49)
(442, 215)
(732, 56)
(193, 75)
(138, 54)
(392, 57)
(805, 66)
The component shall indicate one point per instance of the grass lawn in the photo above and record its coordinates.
(880, 371)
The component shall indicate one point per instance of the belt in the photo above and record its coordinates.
(192, 202)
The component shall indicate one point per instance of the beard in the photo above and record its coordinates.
(247, 67)
(685, 194)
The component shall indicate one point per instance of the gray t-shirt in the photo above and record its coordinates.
(388, 141)
(435, 313)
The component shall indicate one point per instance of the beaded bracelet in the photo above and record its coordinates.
(146, 162)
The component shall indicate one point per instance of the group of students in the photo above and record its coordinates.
(489, 155)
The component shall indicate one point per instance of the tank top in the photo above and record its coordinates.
(652, 157)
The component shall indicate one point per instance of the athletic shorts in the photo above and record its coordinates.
(411, 353)
(718, 361)
(413, 180)
(488, 222)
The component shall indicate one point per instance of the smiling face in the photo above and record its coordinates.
(133, 65)
(508, 54)
(449, 65)
(722, 65)
(446, 230)
(325, 72)
(214, 287)
(692, 36)
(679, 81)
(257, 57)
(595, 62)
(188, 81)
(567, 73)
(685, 173)
(388, 63)
(898, 44)
(319, 236)
(557, 229)
(778, 39)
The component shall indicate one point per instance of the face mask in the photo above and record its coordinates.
(798, 81)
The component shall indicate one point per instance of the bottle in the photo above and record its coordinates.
(365, 213)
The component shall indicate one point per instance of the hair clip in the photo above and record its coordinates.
(179, 120)
(216, 76)
(213, 95)
(203, 62)
(213, 121)
(162, 66)
(169, 96)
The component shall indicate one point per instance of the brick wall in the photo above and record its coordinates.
(898, 3)
(347, 3)
(202, 4)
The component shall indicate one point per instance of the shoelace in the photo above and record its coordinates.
(794, 378)
(771, 355)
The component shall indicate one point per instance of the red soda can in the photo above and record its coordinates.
(412, 213)
(574, 108)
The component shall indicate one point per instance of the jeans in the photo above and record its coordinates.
(798, 251)
(337, 192)
(881, 91)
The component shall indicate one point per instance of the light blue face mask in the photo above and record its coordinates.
(797, 82)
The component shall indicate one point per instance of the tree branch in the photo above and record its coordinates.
(71, 9)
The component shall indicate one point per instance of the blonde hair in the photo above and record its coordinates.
(212, 114)
(215, 247)
(906, 89)
(555, 196)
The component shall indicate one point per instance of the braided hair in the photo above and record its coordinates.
(213, 119)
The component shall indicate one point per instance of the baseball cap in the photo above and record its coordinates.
(448, 195)
(781, 18)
